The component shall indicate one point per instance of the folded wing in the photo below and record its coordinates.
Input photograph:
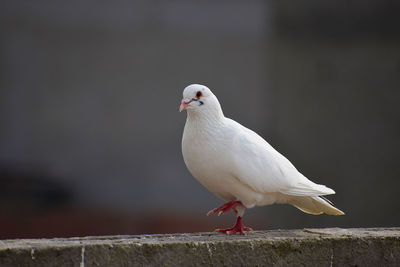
(256, 163)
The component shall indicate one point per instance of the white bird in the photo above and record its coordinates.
(239, 166)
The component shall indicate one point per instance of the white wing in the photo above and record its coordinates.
(256, 163)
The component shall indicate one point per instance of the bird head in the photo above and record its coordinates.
(194, 97)
(198, 100)
(197, 97)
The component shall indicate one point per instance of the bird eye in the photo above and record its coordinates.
(198, 94)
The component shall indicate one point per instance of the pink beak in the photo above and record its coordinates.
(184, 104)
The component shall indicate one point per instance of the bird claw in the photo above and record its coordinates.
(237, 228)
(225, 208)
(234, 230)
(211, 212)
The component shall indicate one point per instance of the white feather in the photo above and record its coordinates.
(235, 163)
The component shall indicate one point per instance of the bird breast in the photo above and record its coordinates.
(204, 158)
(206, 155)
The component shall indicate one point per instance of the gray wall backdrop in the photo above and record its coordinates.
(89, 96)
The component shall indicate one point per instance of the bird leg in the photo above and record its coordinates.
(226, 207)
(237, 228)
(238, 208)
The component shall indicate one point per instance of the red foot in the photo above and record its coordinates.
(225, 208)
(237, 228)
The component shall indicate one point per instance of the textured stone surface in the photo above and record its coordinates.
(306, 247)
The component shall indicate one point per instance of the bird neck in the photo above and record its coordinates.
(210, 116)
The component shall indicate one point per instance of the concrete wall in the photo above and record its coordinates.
(307, 247)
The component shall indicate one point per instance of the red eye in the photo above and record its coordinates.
(198, 94)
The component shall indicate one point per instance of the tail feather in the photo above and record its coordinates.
(308, 188)
(314, 205)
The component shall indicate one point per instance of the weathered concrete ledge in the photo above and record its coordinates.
(307, 247)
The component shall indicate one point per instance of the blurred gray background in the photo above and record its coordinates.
(90, 131)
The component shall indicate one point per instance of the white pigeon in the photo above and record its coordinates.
(239, 166)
